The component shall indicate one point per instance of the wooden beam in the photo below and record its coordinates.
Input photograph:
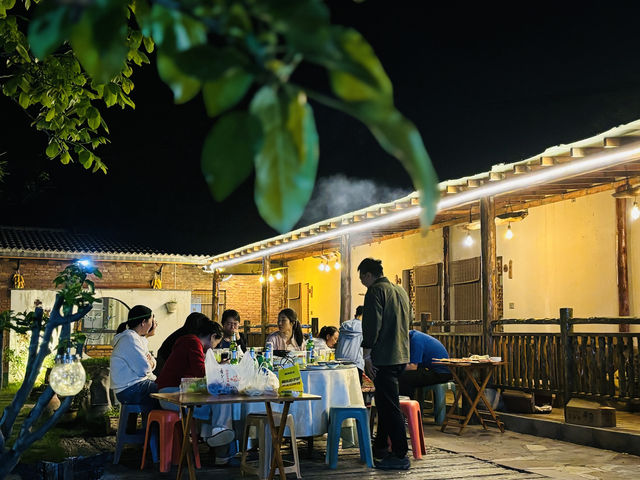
(446, 300)
(622, 267)
(215, 296)
(488, 259)
(345, 279)
(266, 271)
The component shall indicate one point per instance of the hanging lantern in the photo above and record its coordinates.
(509, 234)
(67, 376)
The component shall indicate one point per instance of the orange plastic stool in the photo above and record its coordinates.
(170, 427)
(411, 409)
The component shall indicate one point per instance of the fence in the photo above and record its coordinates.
(587, 364)
(256, 334)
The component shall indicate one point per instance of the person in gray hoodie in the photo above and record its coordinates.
(132, 378)
(350, 342)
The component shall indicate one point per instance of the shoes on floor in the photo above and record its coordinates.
(220, 436)
(391, 462)
(380, 452)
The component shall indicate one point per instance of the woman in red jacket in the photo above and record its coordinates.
(187, 360)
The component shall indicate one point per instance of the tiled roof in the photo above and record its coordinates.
(20, 242)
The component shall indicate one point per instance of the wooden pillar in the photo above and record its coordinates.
(488, 259)
(345, 279)
(446, 279)
(623, 273)
(215, 297)
(266, 271)
(285, 288)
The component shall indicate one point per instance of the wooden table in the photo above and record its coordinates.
(485, 370)
(188, 401)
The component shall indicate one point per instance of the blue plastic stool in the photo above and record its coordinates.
(439, 399)
(122, 437)
(337, 415)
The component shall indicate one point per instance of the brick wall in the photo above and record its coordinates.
(244, 294)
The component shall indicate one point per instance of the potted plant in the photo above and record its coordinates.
(172, 306)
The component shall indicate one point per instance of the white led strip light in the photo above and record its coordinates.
(589, 163)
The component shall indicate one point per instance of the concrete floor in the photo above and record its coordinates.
(551, 458)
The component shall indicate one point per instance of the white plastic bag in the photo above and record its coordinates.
(222, 378)
(256, 380)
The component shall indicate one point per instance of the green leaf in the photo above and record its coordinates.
(226, 92)
(85, 157)
(227, 162)
(287, 164)
(65, 158)
(208, 63)
(99, 40)
(348, 86)
(148, 44)
(184, 87)
(93, 117)
(23, 53)
(173, 31)
(24, 100)
(51, 26)
(52, 150)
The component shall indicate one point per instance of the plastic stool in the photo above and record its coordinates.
(337, 415)
(411, 410)
(170, 427)
(122, 437)
(265, 449)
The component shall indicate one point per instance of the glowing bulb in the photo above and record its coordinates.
(278, 276)
(468, 241)
(635, 211)
(509, 234)
(84, 262)
(321, 267)
(271, 278)
(261, 279)
(67, 376)
(337, 265)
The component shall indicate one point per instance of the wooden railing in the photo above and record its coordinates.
(257, 334)
(592, 364)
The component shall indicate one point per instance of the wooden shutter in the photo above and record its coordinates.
(467, 291)
(428, 290)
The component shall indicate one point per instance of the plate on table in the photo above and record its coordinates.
(316, 367)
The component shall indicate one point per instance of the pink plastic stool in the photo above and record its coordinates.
(411, 409)
(170, 427)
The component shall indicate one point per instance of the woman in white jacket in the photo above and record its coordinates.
(132, 378)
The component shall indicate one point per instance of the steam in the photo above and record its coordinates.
(338, 194)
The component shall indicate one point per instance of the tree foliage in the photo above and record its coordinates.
(78, 58)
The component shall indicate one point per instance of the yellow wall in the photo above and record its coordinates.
(324, 302)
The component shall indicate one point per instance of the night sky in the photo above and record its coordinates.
(482, 86)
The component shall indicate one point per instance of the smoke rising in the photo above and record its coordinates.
(338, 194)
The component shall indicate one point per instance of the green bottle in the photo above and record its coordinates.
(233, 350)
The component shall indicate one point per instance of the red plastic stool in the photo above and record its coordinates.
(170, 427)
(411, 409)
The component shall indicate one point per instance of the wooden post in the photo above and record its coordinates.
(425, 321)
(266, 271)
(345, 279)
(314, 326)
(566, 349)
(285, 288)
(446, 279)
(488, 259)
(215, 296)
(623, 273)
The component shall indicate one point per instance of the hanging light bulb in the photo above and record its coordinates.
(337, 265)
(271, 278)
(261, 279)
(509, 234)
(635, 211)
(468, 241)
(278, 276)
(321, 266)
(67, 376)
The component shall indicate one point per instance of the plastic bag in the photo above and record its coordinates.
(222, 378)
(256, 380)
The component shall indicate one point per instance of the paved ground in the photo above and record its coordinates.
(551, 458)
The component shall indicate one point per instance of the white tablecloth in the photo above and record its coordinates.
(338, 388)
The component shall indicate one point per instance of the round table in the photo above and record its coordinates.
(338, 387)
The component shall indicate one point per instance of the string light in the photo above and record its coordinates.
(337, 265)
(278, 276)
(468, 241)
(261, 279)
(635, 211)
(271, 278)
(509, 234)
(321, 266)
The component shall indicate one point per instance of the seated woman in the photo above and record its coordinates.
(289, 334)
(192, 321)
(187, 360)
(327, 338)
(132, 379)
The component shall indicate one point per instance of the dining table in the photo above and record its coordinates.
(469, 370)
(186, 402)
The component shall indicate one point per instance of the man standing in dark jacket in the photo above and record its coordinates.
(385, 331)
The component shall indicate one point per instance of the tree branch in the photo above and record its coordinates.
(35, 413)
(22, 443)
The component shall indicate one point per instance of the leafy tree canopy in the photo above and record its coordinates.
(68, 60)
